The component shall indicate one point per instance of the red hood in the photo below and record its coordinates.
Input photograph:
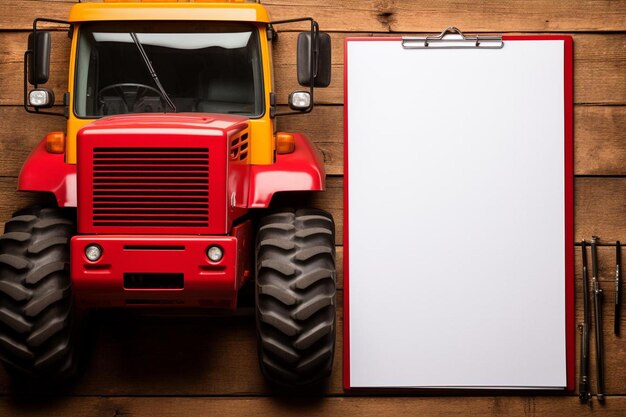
(168, 121)
(149, 173)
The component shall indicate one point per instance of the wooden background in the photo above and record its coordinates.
(147, 365)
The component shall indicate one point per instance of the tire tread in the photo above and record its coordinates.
(36, 313)
(296, 296)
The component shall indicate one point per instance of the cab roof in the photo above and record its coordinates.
(120, 11)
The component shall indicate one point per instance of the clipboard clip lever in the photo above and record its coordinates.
(452, 38)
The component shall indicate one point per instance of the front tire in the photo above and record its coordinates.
(295, 296)
(37, 335)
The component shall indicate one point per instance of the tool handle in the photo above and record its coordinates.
(586, 310)
(594, 257)
(583, 388)
(618, 287)
(583, 381)
(598, 296)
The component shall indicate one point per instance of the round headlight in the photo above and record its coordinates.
(215, 253)
(93, 252)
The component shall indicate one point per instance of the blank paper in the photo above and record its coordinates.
(456, 215)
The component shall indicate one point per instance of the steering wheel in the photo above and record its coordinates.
(138, 90)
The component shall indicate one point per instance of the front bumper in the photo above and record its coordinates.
(160, 270)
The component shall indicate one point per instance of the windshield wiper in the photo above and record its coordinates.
(146, 60)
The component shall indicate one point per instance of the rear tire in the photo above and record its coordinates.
(295, 296)
(37, 338)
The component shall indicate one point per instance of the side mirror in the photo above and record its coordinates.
(321, 77)
(39, 63)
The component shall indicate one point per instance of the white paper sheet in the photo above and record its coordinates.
(456, 215)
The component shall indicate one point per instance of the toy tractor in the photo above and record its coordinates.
(163, 183)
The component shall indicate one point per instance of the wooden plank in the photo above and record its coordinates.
(598, 77)
(479, 16)
(598, 58)
(134, 353)
(537, 406)
(20, 134)
(600, 208)
(600, 140)
(12, 200)
(364, 407)
(403, 15)
(599, 205)
(599, 132)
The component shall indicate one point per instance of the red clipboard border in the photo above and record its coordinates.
(568, 65)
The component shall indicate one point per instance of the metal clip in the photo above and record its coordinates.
(452, 38)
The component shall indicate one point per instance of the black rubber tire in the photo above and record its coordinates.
(295, 296)
(37, 337)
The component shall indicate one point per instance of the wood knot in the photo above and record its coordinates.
(385, 12)
(385, 17)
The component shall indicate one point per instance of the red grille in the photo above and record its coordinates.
(150, 187)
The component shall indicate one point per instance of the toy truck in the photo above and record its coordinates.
(166, 185)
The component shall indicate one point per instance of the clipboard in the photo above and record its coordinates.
(459, 212)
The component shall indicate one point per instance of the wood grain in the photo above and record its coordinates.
(598, 79)
(20, 133)
(297, 406)
(140, 354)
(600, 140)
(599, 137)
(481, 16)
(600, 208)
(402, 15)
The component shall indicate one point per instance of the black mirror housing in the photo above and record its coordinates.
(305, 45)
(39, 62)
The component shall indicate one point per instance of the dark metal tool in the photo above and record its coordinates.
(597, 298)
(618, 286)
(583, 381)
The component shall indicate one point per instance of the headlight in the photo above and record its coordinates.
(299, 100)
(215, 253)
(93, 252)
(41, 97)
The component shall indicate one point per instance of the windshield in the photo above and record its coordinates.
(203, 67)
